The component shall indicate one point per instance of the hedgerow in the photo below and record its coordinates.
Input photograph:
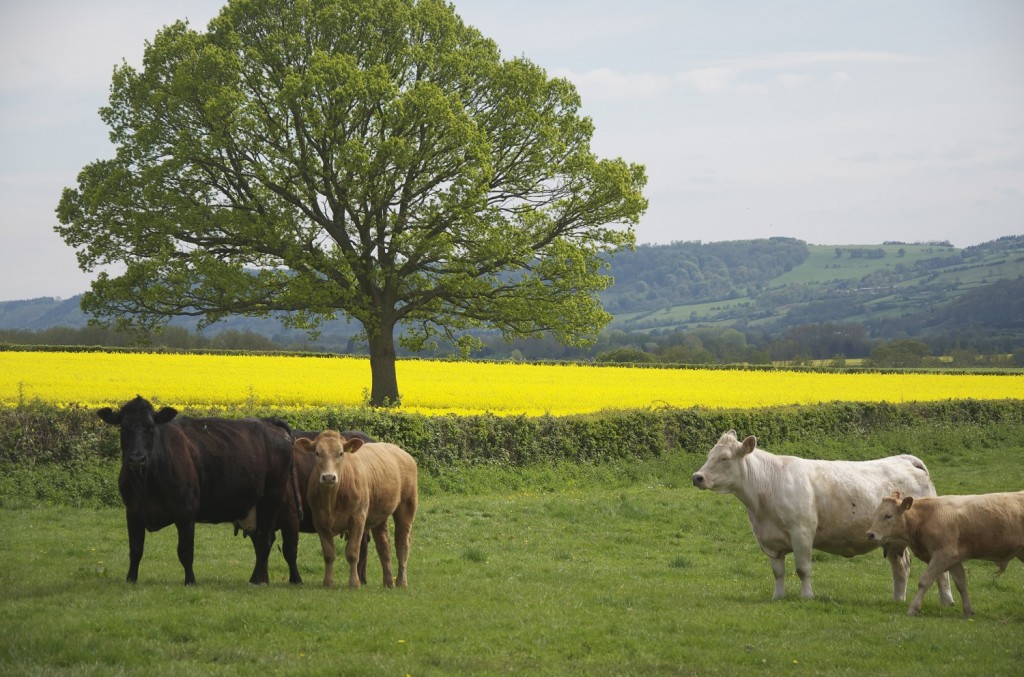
(37, 433)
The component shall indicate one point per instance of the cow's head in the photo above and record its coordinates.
(138, 421)
(330, 448)
(889, 523)
(723, 471)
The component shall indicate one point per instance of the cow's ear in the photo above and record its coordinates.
(305, 444)
(907, 503)
(109, 416)
(748, 445)
(353, 445)
(165, 415)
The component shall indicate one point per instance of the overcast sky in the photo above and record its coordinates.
(832, 121)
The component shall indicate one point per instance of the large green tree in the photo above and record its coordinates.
(371, 158)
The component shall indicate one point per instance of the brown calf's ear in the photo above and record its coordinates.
(353, 445)
(907, 503)
(305, 444)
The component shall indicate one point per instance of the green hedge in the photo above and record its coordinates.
(67, 456)
(38, 433)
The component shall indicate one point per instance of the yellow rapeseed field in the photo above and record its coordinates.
(439, 387)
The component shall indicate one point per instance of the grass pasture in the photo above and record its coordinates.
(571, 571)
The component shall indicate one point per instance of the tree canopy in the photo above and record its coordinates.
(372, 158)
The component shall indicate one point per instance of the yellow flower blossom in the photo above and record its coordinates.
(465, 388)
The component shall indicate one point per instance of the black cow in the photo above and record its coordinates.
(296, 514)
(180, 470)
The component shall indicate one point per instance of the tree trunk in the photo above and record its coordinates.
(383, 378)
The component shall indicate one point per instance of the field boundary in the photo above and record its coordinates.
(41, 433)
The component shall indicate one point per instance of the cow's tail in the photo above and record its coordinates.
(295, 489)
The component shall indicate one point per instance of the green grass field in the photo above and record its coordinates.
(552, 570)
(823, 266)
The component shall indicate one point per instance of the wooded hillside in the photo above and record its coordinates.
(755, 300)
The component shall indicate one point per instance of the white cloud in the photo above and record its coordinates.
(606, 84)
(806, 60)
(759, 73)
(794, 81)
(712, 79)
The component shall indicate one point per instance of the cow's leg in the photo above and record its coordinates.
(960, 578)
(327, 547)
(290, 550)
(899, 561)
(380, 539)
(945, 593)
(136, 544)
(364, 548)
(352, 547)
(779, 570)
(261, 544)
(186, 549)
(938, 565)
(263, 539)
(802, 560)
(403, 542)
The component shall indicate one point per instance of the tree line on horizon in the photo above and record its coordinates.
(986, 321)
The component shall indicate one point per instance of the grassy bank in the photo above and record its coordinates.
(619, 567)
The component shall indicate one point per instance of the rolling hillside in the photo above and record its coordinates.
(885, 287)
(767, 286)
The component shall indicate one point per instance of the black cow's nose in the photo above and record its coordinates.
(137, 460)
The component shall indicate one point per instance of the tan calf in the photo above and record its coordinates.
(946, 531)
(357, 486)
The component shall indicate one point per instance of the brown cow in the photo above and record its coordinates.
(296, 514)
(357, 486)
(946, 531)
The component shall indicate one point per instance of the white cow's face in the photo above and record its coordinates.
(723, 471)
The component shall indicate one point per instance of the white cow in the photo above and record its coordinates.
(797, 505)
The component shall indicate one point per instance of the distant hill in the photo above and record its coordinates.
(764, 287)
(41, 313)
(44, 313)
(892, 288)
(656, 277)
